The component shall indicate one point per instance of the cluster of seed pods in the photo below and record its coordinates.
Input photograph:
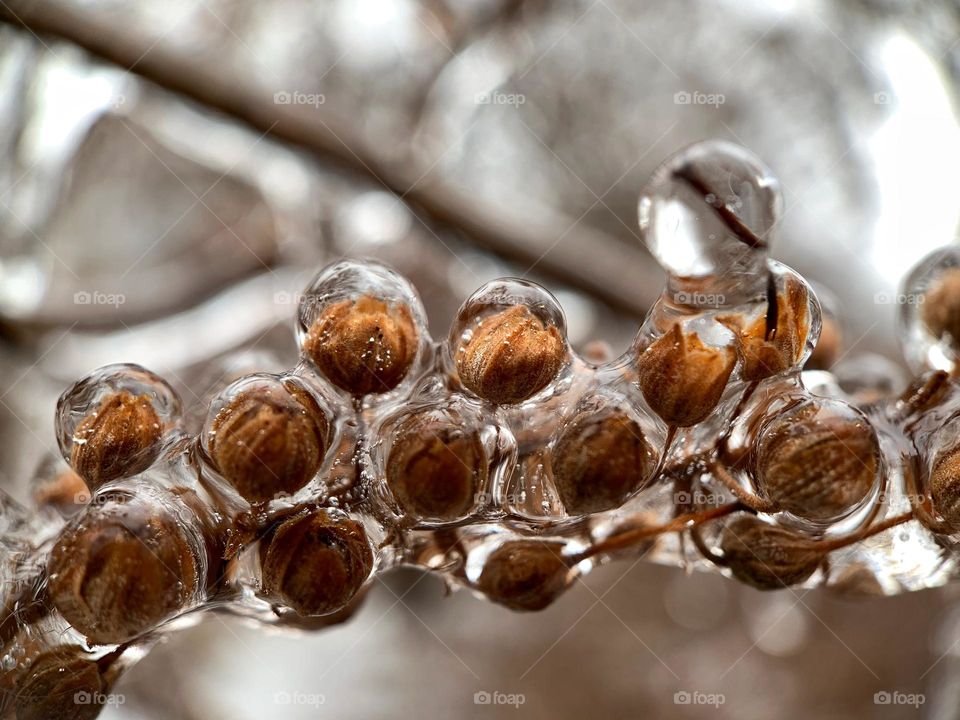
(496, 457)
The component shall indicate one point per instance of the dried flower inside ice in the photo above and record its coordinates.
(435, 468)
(510, 356)
(268, 440)
(365, 345)
(773, 343)
(766, 556)
(599, 460)
(683, 379)
(315, 563)
(819, 460)
(526, 574)
(119, 438)
(121, 568)
(945, 486)
(60, 684)
(940, 309)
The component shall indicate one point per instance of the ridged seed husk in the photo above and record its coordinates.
(817, 465)
(940, 310)
(268, 442)
(511, 356)
(60, 684)
(364, 346)
(525, 574)
(945, 487)
(118, 439)
(435, 469)
(764, 351)
(120, 569)
(766, 556)
(682, 379)
(315, 564)
(599, 460)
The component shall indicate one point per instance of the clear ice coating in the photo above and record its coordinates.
(499, 458)
(707, 215)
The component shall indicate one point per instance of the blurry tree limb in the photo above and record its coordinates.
(611, 270)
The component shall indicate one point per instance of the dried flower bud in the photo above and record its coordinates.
(435, 468)
(268, 440)
(774, 342)
(766, 556)
(315, 563)
(121, 568)
(525, 574)
(510, 356)
(940, 310)
(365, 345)
(945, 487)
(599, 460)
(682, 379)
(61, 684)
(120, 438)
(819, 460)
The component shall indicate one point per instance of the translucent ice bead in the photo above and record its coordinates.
(929, 302)
(707, 215)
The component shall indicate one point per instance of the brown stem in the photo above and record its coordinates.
(860, 535)
(752, 501)
(592, 261)
(631, 537)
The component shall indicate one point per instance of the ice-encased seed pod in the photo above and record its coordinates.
(362, 326)
(509, 341)
(599, 459)
(266, 436)
(315, 562)
(526, 574)
(707, 214)
(782, 336)
(766, 556)
(61, 684)
(124, 566)
(682, 378)
(929, 307)
(818, 460)
(436, 466)
(945, 486)
(111, 423)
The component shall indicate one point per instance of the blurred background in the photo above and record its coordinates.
(172, 175)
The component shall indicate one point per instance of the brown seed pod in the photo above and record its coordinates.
(766, 556)
(940, 310)
(121, 437)
(436, 468)
(60, 684)
(121, 568)
(525, 574)
(682, 379)
(268, 440)
(945, 487)
(819, 460)
(365, 345)
(773, 343)
(599, 460)
(315, 563)
(510, 356)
